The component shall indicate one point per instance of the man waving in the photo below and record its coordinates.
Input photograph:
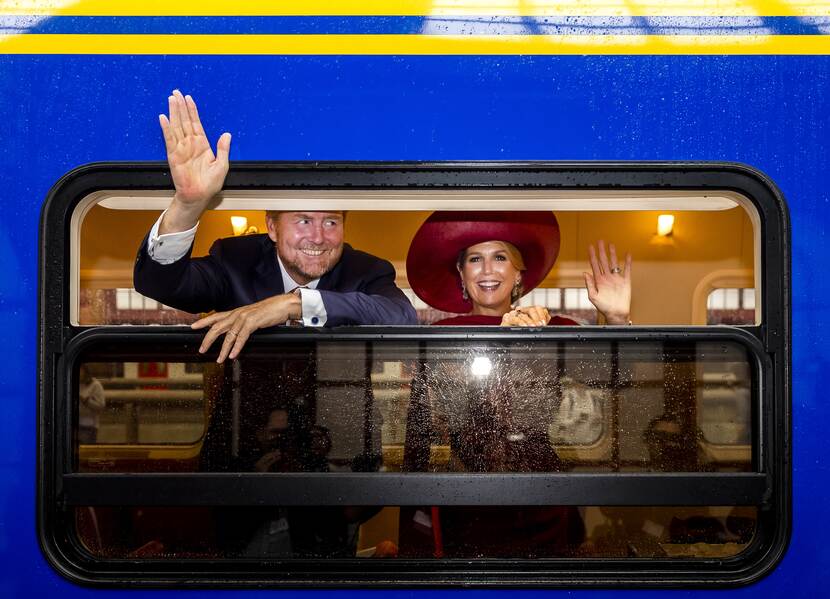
(300, 270)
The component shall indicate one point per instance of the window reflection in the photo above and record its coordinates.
(488, 406)
(144, 403)
(442, 407)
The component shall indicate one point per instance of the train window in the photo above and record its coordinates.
(303, 407)
(710, 233)
(559, 455)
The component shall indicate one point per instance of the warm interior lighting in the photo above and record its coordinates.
(665, 224)
(239, 224)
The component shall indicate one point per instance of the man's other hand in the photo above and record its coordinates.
(237, 325)
(197, 174)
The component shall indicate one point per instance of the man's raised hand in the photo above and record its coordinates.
(198, 174)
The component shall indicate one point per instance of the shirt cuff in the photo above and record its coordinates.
(314, 312)
(167, 248)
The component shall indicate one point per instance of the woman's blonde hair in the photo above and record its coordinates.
(515, 258)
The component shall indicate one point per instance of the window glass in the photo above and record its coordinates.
(199, 533)
(141, 403)
(506, 406)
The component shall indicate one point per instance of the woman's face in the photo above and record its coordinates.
(489, 277)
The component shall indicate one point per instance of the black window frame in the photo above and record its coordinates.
(60, 345)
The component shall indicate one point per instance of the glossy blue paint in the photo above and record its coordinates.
(435, 25)
(769, 112)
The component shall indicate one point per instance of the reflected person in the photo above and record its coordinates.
(285, 442)
(91, 402)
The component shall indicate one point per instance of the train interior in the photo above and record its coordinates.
(395, 407)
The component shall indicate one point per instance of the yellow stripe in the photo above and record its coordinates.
(414, 44)
(415, 7)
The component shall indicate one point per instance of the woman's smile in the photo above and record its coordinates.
(488, 286)
(488, 276)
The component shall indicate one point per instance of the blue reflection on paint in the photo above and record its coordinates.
(434, 25)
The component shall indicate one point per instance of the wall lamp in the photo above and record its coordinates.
(665, 225)
(239, 224)
(665, 231)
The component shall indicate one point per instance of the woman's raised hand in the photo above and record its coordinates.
(529, 316)
(609, 283)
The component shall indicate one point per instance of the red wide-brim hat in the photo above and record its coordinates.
(431, 261)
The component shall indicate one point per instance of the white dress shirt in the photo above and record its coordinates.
(167, 248)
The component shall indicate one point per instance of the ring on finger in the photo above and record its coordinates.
(234, 333)
(616, 270)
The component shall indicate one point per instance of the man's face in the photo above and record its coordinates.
(308, 243)
(272, 435)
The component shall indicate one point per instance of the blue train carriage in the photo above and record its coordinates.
(692, 135)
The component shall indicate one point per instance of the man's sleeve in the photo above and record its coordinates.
(167, 248)
(314, 310)
(190, 284)
(378, 302)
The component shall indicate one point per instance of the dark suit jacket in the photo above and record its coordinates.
(239, 271)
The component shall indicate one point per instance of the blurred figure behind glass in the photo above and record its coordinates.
(91, 403)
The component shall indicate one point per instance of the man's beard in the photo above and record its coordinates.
(299, 272)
